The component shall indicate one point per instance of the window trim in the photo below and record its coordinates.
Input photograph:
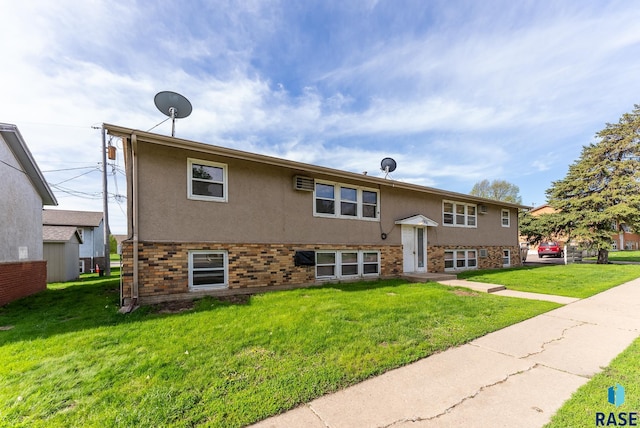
(506, 254)
(337, 201)
(454, 214)
(466, 259)
(223, 166)
(503, 218)
(225, 270)
(337, 270)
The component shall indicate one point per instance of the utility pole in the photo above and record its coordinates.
(105, 204)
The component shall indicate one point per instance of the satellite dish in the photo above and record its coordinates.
(173, 105)
(388, 165)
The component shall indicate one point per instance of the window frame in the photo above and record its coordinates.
(338, 201)
(450, 218)
(339, 263)
(224, 269)
(503, 218)
(506, 255)
(190, 178)
(467, 265)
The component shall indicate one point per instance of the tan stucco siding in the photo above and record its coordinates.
(263, 207)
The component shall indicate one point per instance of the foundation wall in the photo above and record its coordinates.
(21, 279)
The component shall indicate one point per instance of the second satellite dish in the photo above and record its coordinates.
(388, 165)
(173, 105)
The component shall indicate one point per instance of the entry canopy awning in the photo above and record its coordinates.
(417, 220)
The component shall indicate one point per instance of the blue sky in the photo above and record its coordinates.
(455, 91)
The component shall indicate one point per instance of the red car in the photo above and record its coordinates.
(550, 248)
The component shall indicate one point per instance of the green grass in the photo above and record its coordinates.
(573, 280)
(580, 410)
(72, 360)
(623, 256)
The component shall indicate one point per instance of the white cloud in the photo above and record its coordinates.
(454, 91)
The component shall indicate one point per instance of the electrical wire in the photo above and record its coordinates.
(77, 176)
(69, 169)
(11, 166)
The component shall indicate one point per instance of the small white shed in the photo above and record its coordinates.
(61, 251)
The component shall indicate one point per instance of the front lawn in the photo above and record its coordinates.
(574, 280)
(622, 256)
(68, 358)
(580, 410)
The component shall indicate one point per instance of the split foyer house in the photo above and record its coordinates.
(212, 220)
(23, 192)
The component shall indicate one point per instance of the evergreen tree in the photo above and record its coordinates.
(601, 190)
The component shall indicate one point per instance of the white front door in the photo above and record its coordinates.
(414, 248)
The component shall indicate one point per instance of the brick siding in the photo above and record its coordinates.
(435, 256)
(164, 267)
(21, 279)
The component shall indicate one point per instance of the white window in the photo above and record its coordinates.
(370, 263)
(506, 258)
(325, 199)
(206, 181)
(506, 218)
(345, 201)
(460, 259)
(207, 270)
(458, 214)
(347, 264)
(325, 264)
(348, 202)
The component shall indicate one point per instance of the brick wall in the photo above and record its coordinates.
(21, 279)
(435, 256)
(164, 267)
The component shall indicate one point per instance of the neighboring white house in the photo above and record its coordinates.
(62, 252)
(23, 192)
(90, 225)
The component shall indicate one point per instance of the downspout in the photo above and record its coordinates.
(132, 173)
(134, 219)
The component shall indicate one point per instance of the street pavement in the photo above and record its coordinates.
(515, 377)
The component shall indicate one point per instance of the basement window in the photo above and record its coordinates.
(208, 270)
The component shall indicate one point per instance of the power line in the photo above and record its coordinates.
(11, 166)
(69, 169)
(77, 176)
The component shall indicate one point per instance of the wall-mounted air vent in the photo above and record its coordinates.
(483, 252)
(303, 183)
(482, 209)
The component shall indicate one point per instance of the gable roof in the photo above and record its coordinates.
(71, 218)
(417, 220)
(169, 141)
(60, 233)
(17, 145)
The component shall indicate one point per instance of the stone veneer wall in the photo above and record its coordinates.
(164, 272)
(435, 256)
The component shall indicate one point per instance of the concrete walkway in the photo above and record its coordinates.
(501, 290)
(517, 376)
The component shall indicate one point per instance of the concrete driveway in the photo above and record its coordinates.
(533, 259)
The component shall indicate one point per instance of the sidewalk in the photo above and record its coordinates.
(518, 376)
